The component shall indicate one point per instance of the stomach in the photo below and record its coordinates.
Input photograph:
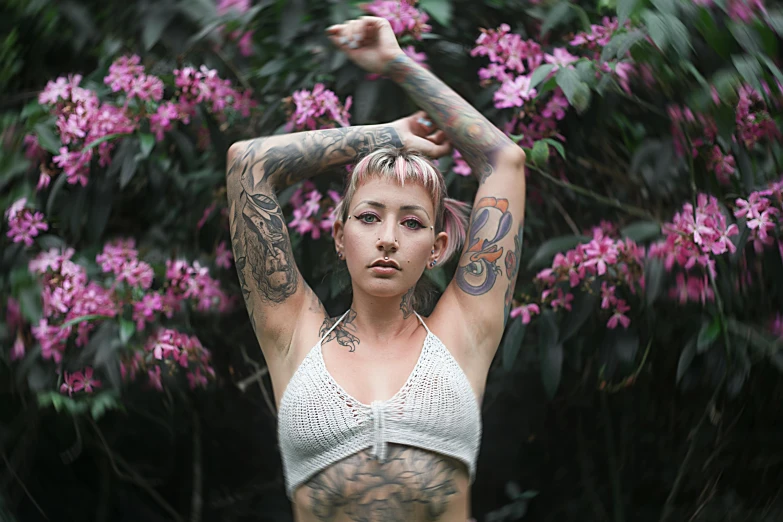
(412, 485)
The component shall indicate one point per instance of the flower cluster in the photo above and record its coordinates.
(244, 40)
(317, 109)
(86, 125)
(598, 37)
(77, 381)
(67, 296)
(23, 223)
(761, 212)
(313, 213)
(754, 122)
(169, 349)
(203, 85)
(696, 235)
(404, 18)
(739, 10)
(510, 58)
(81, 120)
(127, 74)
(615, 263)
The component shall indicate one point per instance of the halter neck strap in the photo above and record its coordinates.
(334, 326)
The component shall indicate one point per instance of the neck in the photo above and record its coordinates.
(384, 318)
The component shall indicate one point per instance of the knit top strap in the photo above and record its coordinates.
(333, 326)
(422, 322)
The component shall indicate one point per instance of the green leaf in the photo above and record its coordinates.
(147, 142)
(540, 74)
(745, 36)
(620, 44)
(550, 353)
(47, 139)
(707, 335)
(641, 231)
(577, 91)
(775, 21)
(271, 67)
(626, 346)
(666, 6)
(745, 167)
(127, 329)
(548, 249)
(750, 70)
(512, 342)
(656, 28)
(559, 14)
(440, 10)
(582, 308)
(625, 10)
(653, 278)
(540, 153)
(89, 317)
(102, 139)
(155, 22)
(686, 358)
(557, 145)
(772, 67)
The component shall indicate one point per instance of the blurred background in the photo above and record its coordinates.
(639, 374)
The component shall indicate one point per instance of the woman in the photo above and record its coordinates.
(379, 408)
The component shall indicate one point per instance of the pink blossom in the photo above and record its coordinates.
(526, 311)
(514, 93)
(560, 58)
(144, 310)
(223, 256)
(722, 165)
(163, 119)
(318, 109)
(239, 6)
(24, 224)
(203, 85)
(598, 36)
(619, 315)
(154, 378)
(754, 122)
(557, 106)
(745, 10)
(403, 17)
(461, 166)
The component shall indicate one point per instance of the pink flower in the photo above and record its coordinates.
(526, 311)
(69, 382)
(223, 256)
(318, 109)
(514, 93)
(461, 166)
(163, 119)
(560, 58)
(403, 17)
(144, 310)
(85, 382)
(23, 223)
(619, 315)
(154, 378)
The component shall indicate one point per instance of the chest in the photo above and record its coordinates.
(374, 373)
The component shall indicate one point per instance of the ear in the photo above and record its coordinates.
(338, 230)
(441, 242)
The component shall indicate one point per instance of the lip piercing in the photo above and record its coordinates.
(385, 258)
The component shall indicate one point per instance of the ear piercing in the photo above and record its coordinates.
(432, 264)
(339, 254)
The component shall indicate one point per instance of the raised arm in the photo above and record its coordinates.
(275, 293)
(484, 282)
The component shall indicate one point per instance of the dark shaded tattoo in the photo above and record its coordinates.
(406, 305)
(342, 332)
(412, 482)
(262, 247)
(477, 138)
(512, 269)
(288, 159)
(478, 268)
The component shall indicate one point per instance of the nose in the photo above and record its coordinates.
(387, 241)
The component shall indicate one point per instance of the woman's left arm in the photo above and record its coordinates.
(483, 285)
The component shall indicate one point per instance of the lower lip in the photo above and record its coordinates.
(383, 270)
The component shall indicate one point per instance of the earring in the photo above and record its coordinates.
(432, 251)
(339, 255)
(432, 264)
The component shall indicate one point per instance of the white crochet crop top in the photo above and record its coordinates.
(319, 423)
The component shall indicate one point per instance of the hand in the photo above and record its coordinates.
(369, 42)
(418, 133)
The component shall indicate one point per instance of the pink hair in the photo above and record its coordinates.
(401, 166)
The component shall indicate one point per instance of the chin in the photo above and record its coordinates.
(385, 287)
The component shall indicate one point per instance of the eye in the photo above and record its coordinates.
(412, 224)
(367, 218)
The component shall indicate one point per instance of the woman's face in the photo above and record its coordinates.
(388, 220)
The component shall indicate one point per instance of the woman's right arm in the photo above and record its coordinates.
(275, 293)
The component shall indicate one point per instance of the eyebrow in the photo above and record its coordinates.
(376, 204)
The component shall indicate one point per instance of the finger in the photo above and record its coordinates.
(438, 137)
